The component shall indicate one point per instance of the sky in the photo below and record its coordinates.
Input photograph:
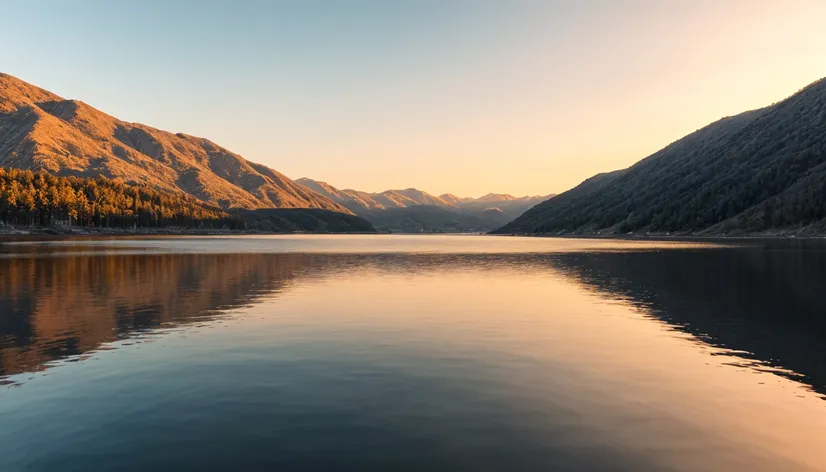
(459, 96)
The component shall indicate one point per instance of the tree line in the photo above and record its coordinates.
(38, 198)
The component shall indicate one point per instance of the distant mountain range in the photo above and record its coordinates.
(762, 171)
(42, 131)
(412, 210)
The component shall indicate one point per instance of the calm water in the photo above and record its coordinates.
(412, 353)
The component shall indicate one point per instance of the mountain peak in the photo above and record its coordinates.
(495, 197)
(453, 199)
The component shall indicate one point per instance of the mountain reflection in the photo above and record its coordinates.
(55, 307)
(762, 303)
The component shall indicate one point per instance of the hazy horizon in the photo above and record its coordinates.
(524, 98)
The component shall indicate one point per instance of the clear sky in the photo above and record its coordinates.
(464, 96)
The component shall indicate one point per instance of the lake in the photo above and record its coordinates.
(412, 353)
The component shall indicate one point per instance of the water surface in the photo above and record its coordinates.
(411, 353)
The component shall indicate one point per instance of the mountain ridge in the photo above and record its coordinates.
(413, 210)
(40, 130)
(410, 196)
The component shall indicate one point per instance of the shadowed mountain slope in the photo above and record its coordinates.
(761, 171)
(303, 220)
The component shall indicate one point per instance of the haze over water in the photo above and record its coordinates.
(411, 353)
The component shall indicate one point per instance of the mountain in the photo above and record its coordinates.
(496, 197)
(412, 210)
(408, 197)
(356, 200)
(42, 131)
(762, 171)
(509, 206)
(453, 199)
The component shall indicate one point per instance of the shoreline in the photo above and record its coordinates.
(46, 234)
(665, 237)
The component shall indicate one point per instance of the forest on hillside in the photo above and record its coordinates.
(29, 198)
(41, 199)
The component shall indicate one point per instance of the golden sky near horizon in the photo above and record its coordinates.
(462, 97)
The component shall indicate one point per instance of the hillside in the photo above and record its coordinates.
(33, 199)
(432, 218)
(412, 210)
(42, 131)
(64, 204)
(453, 199)
(763, 171)
(303, 220)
